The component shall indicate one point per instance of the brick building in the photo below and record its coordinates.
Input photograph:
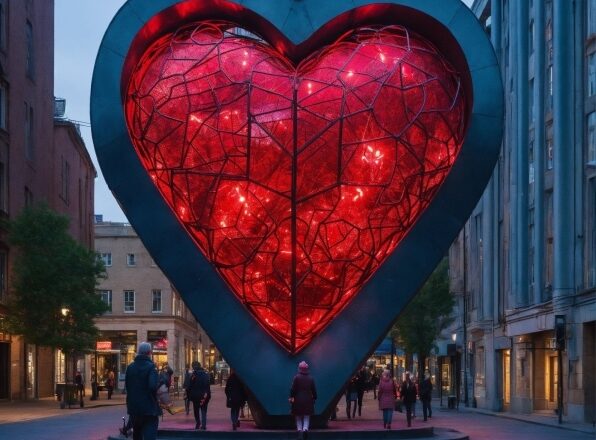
(41, 160)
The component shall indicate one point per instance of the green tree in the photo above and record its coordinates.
(53, 300)
(423, 319)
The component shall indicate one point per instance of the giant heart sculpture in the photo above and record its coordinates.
(296, 182)
(322, 181)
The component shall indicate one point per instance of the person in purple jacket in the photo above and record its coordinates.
(302, 398)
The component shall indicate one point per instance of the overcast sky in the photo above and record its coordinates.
(79, 28)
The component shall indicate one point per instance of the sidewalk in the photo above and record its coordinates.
(20, 411)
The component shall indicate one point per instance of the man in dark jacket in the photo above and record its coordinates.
(141, 382)
(199, 393)
(361, 384)
(426, 391)
(407, 392)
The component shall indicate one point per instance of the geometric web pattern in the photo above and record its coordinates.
(295, 181)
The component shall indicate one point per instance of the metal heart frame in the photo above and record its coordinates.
(265, 367)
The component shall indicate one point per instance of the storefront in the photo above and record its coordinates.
(113, 352)
(159, 342)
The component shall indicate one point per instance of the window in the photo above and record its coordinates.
(531, 162)
(3, 107)
(531, 246)
(2, 25)
(531, 36)
(106, 257)
(156, 301)
(28, 197)
(3, 273)
(549, 87)
(29, 145)
(65, 181)
(592, 230)
(106, 296)
(549, 257)
(30, 60)
(592, 74)
(129, 301)
(531, 103)
(131, 260)
(592, 138)
(591, 17)
(3, 188)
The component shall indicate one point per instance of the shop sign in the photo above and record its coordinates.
(103, 345)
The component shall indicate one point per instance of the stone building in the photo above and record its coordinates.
(144, 306)
(41, 160)
(525, 263)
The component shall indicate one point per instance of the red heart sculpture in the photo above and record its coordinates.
(296, 181)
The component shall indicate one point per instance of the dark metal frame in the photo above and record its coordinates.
(344, 344)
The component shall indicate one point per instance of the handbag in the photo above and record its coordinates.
(163, 395)
(398, 405)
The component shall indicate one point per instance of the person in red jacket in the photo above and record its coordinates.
(302, 398)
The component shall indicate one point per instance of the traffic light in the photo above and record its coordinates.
(560, 332)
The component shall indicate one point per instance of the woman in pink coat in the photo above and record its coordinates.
(387, 394)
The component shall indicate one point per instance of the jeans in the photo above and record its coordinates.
(144, 427)
(200, 413)
(349, 407)
(426, 409)
(234, 414)
(302, 423)
(409, 413)
(387, 416)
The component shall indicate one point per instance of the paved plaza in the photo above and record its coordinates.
(98, 420)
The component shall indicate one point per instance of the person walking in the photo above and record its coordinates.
(78, 380)
(408, 395)
(235, 397)
(199, 393)
(185, 384)
(141, 382)
(110, 383)
(303, 394)
(387, 394)
(374, 382)
(352, 397)
(426, 391)
(361, 382)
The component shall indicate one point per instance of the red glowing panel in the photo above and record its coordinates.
(295, 181)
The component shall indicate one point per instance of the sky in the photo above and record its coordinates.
(79, 28)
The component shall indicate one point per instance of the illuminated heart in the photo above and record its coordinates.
(295, 178)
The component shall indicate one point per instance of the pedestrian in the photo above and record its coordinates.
(352, 397)
(94, 389)
(141, 381)
(303, 394)
(78, 380)
(426, 391)
(408, 395)
(110, 382)
(387, 395)
(374, 381)
(185, 384)
(235, 397)
(361, 385)
(199, 393)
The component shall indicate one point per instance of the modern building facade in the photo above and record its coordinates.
(144, 306)
(525, 263)
(41, 160)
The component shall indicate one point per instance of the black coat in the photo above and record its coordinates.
(407, 392)
(426, 389)
(235, 394)
(199, 388)
(304, 393)
(141, 382)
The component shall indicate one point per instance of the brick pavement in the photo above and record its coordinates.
(218, 416)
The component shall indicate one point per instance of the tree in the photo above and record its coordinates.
(53, 300)
(426, 315)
